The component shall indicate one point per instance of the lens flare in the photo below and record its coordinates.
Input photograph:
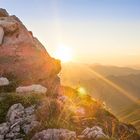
(82, 91)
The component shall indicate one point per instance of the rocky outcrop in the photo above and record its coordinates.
(18, 120)
(3, 13)
(23, 58)
(55, 134)
(4, 81)
(38, 89)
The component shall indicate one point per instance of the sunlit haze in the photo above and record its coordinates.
(64, 53)
(98, 31)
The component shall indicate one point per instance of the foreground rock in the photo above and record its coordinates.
(23, 59)
(19, 119)
(4, 81)
(4, 128)
(55, 134)
(38, 89)
(94, 133)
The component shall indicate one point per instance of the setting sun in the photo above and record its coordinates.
(63, 53)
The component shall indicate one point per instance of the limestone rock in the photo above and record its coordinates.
(4, 128)
(15, 128)
(25, 117)
(3, 13)
(93, 133)
(1, 137)
(55, 134)
(30, 120)
(30, 110)
(15, 113)
(19, 119)
(4, 81)
(32, 89)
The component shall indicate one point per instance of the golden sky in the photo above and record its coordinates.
(105, 31)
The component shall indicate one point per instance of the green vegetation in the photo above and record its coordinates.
(76, 112)
(14, 82)
(8, 99)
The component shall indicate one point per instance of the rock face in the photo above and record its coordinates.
(38, 89)
(23, 57)
(55, 134)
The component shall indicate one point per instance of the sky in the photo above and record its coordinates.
(98, 31)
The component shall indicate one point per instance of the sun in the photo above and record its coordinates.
(63, 53)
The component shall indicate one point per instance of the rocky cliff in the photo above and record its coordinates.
(23, 57)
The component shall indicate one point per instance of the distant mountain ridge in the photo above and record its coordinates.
(94, 77)
(114, 70)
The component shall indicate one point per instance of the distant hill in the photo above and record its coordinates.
(80, 72)
(114, 70)
(131, 115)
(106, 83)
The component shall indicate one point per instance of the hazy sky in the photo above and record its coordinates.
(102, 31)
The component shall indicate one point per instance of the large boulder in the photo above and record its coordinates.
(55, 134)
(23, 58)
(4, 81)
(32, 89)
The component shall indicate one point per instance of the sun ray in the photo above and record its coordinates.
(120, 89)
